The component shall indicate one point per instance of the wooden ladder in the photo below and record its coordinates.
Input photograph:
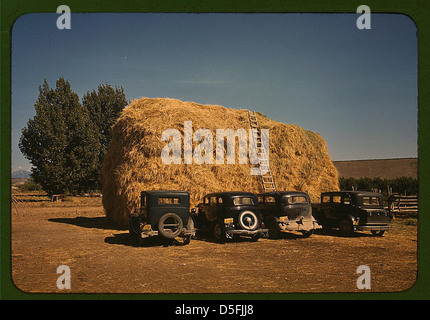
(263, 160)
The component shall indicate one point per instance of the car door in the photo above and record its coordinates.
(261, 205)
(325, 213)
(219, 209)
(271, 206)
(338, 211)
(347, 207)
(211, 209)
(205, 208)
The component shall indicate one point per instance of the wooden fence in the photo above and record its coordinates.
(403, 206)
(37, 197)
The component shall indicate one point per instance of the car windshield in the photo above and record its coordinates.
(296, 200)
(243, 201)
(371, 201)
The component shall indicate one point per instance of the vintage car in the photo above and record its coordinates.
(230, 214)
(353, 210)
(164, 213)
(285, 211)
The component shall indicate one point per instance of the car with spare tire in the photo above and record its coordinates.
(163, 213)
(231, 214)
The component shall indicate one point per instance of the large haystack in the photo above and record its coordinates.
(298, 158)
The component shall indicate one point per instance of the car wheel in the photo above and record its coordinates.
(248, 220)
(307, 234)
(274, 232)
(187, 240)
(255, 237)
(170, 225)
(190, 224)
(133, 229)
(218, 232)
(378, 233)
(135, 238)
(346, 228)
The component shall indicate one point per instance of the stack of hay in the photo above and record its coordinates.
(298, 158)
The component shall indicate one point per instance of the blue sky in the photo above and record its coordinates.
(356, 88)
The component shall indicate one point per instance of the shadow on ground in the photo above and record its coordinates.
(86, 222)
(126, 240)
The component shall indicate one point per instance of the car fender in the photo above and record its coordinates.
(348, 217)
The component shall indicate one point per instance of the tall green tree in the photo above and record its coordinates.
(60, 141)
(104, 107)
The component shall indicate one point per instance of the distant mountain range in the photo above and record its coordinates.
(20, 174)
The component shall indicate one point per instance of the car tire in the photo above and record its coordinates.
(378, 233)
(190, 224)
(187, 240)
(136, 239)
(170, 226)
(248, 220)
(346, 228)
(218, 232)
(133, 229)
(255, 237)
(307, 234)
(273, 226)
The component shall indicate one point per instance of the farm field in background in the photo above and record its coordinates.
(102, 258)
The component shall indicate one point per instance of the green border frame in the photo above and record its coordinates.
(417, 10)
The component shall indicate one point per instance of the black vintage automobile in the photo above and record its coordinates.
(230, 214)
(353, 210)
(164, 213)
(285, 211)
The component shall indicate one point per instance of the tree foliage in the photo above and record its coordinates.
(60, 141)
(104, 107)
(401, 185)
(66, 141)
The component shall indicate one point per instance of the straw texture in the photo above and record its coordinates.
(299, 159)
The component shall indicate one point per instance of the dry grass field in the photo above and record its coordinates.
(102, 259)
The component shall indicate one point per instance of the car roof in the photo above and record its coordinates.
(282, 193)
(171, 192)
(231, 194)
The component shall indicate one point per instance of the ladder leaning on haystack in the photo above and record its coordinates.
(263, 160)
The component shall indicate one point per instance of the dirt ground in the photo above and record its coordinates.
(102, 258)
